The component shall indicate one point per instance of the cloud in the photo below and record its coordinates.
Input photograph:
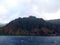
(49, 6)
(51, 16)
(47, 9)
(3, 11)
(11, 9)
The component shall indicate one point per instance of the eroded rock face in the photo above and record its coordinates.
(30, 26)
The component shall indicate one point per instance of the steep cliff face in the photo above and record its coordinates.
(30, 26)
(25, 23)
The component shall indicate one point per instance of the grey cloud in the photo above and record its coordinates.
(24, 8)
(49, 6)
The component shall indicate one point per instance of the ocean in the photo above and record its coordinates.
(29, 40)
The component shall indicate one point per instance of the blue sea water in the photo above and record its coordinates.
(29, 40)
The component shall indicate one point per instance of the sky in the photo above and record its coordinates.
(12, 9)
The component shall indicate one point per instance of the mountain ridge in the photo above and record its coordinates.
(31, 26)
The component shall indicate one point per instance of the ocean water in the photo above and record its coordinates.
(29, 40)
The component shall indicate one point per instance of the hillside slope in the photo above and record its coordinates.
(30, 26)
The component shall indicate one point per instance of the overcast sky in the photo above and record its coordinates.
(46, 9)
